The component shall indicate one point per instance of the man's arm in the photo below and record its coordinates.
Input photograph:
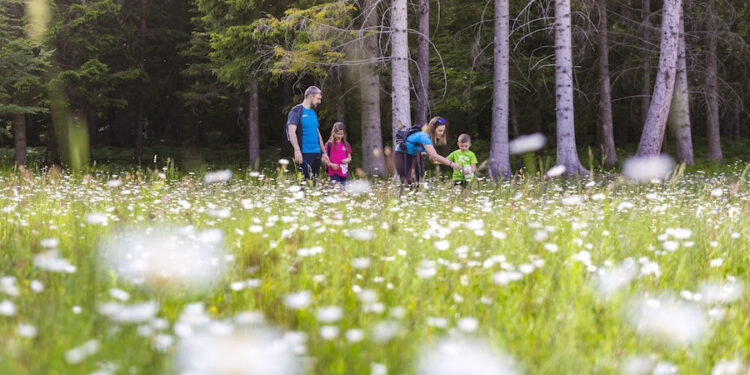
(295, 143)
(293, 121)
(324, 158)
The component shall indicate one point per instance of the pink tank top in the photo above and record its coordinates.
(338, 152)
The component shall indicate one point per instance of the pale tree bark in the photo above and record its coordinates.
(567, 155)
(401, 108)
(253, 136)
(661, 99)
(499, 165)
(422, 83)
(646, 57)
(679, 114)
(19, 138)
(712, 95)
(605, 91)
(373, 158)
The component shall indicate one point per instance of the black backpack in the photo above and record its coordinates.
(295, 114)
(404, 133)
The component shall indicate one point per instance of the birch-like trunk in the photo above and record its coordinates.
(646, 57)
(373, 158)
(567, 155)
(401, 108)
(605, 91)
(679, 114)
(712, 97)
(661, 99)
(499, 165)
(253, 140)
(19, 138)
(422, 82)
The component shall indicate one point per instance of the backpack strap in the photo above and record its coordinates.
(329, 144)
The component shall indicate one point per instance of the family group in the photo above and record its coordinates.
(310, 152)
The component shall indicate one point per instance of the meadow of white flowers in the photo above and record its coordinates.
(251, 273)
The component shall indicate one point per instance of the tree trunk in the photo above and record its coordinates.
(93, 124)
(52, 156)
(499, 165)
(514, 120)
(401, 109)
(139, 125)
(341, 100)
(140, 121)
(605, 91)
(712, 96)
(679, 115)
(646, 57)
(19, 138)
(653, 129)
(373, 158)
(286, 97)
(422, 83)
(253, 141)
(567, 155)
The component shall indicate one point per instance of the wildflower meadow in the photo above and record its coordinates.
(238, 272)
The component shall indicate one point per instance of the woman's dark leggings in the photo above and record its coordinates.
(410, 168)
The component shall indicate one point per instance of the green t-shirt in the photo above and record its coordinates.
(463, 159)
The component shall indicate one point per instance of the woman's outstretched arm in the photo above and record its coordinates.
(440, 159)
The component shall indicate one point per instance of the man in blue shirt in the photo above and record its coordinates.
(304, 134)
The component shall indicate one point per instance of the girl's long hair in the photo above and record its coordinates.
(337, 126)
(432, 126)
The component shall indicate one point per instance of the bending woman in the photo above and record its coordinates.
(408, 155)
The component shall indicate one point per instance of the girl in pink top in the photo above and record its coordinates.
(339, 154)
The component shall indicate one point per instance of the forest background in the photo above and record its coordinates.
(211, 81)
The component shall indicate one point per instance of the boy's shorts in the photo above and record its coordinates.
(463, 183)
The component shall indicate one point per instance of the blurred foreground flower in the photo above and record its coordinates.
(51, 261)
(647, 169)
(611, 279)
(556, 171)
(167, 259)
(259, 351)
(218, 176)
(358, 187)
(121, 313)
(718, 294)
(465, 357)
(527, 143)
(669, 320)
(733, 367)
(79, 353)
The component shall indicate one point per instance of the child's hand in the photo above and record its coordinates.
(334, 166)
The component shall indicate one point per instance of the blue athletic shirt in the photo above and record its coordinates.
(309, 122)
(415, 142)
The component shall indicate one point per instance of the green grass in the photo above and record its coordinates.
(552, 321)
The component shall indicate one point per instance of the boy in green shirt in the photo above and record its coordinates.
(466, 159)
